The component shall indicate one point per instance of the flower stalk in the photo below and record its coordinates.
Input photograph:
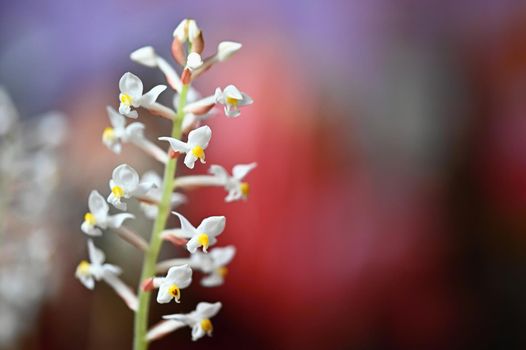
(150, 260)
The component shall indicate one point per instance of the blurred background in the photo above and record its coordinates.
(388, 209)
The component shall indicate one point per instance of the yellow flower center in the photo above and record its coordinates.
(175, 291)
(206, 325)
(244, 187)
(203, 240)
(108, 135)
(198, 152)
(126, 99)
(222, 271)
(83, 268)
(232, 101)
(90, 219)
(117, 191)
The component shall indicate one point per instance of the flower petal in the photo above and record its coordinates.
(179, 275)
(163, 295)
(98, 206)
(131, 84)
(200, 136)
(145, 55)
(117, 120)
(163, 328)
(212, 280)
(126, 177)
(187, 229)
(177, 145)
(96, 256)
(212, 226)
(197, 332)
(219, 171)
(189, 160)
(207, 310)
(116, 221)
(222, 256)
(233, 92)
(226, 49)
(151, 96)
(241, 170)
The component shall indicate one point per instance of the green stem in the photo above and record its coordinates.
(150, 259)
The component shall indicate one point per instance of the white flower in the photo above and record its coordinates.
(202, 236)
(114, 136)
(177, 278)
(213, 264)
(232, 99)
(236, 187)
(199, 319)
(89, 272)
(187, 30)
(226, 49)
(97, 218)
(155, 193)
(125, 184)
(198, 140)
(131, 94)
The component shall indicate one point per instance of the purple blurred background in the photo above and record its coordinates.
(389, 204)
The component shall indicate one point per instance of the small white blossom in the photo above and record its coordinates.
(236, 187)
(119, 133)
(202, 236)
(155, 193)
(198, 140)
(125, 184)
(213, 264)
(199, 319)
(89, 272)
(177, 278)
(98, 218)
(232, 99)
(131, 95)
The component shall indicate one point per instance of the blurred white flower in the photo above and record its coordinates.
(131, 88)
(199, 319)
(125, 184)
(232, 99)
(155, 193)
(114, 136)
(213, 264)
(177, 278)
(98, 217)
(198, 140)
(202, 236)
(236, 187)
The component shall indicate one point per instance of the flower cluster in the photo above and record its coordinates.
(29, 173)
(190, 139)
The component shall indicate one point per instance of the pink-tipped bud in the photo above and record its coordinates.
(186, 77)
(147, 285)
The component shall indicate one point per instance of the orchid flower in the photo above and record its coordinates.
(198, 140)
(114, 136)
(236, 187)
(202, 236)
(177, 278)
(125, 184)
(155, 193)
(232, 99)
(131, 95)
(96, 270)
(98, 218)
(199, 319)
(213, 264)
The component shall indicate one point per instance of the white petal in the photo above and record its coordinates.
(241, 170)
(90, 230)
(200, 136)
(233, 92)
(130, 114)
(187, 229)
(152, 177)
(126, 177)
(96, 256)
(116, 202)
(164, 296)
(134, 132)
(192, 245)
(180, 275)
(246, 100)
(219, 171)
(189, 160)
(121, 289)
(145, 56)
(222, 256)
(131, 84)
(116, 221)
(226, 49)
(197, 332)
(193, 30)
(207, 310)
(87, 281)
(194, 61)
(151, 96)
(98, 206)
(177, 145)
(212, 226)
(233, 195)
(232, 112)
(180, 31)
(212, 280)
(117, 120)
